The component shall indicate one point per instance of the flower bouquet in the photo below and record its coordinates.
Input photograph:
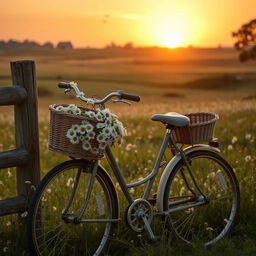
(84, 133)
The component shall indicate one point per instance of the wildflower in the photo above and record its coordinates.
(82, 129)
(84, 122)
(75, 127)
(74, 140)
(99, 116)
(91, 135)
(82, 137)
(28, 182)
(59, 108)
(129, 147)
(106, 113)
(234, 140)
(230, 147)
(86, 145)
(8, 223)
(102, 145)
(106, 131)
(248, 136)
(77, 111)
(69, 182)
(71, 133)
(89, 127)
(54, 208)
(248, 158)
(100, 125)
(5, 249)
(108, 122)
(100, 138)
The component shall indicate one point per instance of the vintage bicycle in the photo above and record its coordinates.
(75, 207)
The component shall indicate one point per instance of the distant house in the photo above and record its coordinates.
(64, 45)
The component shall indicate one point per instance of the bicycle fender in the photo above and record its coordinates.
(169, 168)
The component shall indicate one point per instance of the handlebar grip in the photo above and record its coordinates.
(129, 97)
(64, 85)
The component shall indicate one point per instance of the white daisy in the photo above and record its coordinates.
(84, 122)
(76, 127)
(89, 127)
(71, 133)
(101, 138)
(77, 111)
(91, 114)
(74, 140)
(107, 114)
(82, 129)
(91, 135)
(86, 145)
(106, 131)
(102, 145)
(108, 122)
(100, 125)
(81, 137)
(99, 116)
(59, 108)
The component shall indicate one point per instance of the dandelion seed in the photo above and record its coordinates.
(69, 182)
(128, 147)
(248, 136)
(234, 140)
(230, 147)
(248, 158)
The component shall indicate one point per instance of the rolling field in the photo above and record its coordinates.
(185, 80)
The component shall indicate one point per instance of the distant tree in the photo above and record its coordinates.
(128, 45)
(246, 41)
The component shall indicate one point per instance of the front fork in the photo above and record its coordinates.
(69, 218)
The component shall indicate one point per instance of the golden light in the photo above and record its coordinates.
(171, 40)
(169, 30)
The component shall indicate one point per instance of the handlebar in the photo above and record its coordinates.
(119, 94)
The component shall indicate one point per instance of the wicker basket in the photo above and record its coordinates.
(60, 122)
(200, 129)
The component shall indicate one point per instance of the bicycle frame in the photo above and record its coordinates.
(150, 179)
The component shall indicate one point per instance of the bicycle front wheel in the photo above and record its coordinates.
(213, 219)
(48, 232)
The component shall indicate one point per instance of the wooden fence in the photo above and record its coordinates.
(23, 95)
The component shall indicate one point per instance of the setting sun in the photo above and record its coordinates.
(171, 40)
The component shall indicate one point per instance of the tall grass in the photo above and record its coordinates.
(236, 132)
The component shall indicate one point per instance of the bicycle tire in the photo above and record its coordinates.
(210, 222)
(48, 234)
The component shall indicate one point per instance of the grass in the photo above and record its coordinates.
(144, 74)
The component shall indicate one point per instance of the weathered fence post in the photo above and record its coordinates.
(25, 157)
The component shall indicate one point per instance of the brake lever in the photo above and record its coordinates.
(122, 101)
(67, 90)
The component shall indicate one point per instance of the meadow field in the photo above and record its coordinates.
(180, 80)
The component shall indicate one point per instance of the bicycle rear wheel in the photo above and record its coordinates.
(49, 234)
(212, 220)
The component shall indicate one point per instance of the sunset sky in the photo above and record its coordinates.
(96, 23)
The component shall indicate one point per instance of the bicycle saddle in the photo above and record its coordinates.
(172, 118)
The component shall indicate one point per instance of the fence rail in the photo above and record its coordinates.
(23, 95)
